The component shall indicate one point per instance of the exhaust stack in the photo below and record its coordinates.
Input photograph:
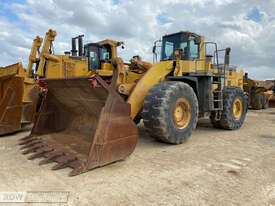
(74, 51)
(227, 56)
(80, 45)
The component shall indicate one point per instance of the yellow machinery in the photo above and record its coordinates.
(87, 122)
(19, 93)
(260, 92)
(271, 92)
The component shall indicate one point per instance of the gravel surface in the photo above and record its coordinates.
(214, 167)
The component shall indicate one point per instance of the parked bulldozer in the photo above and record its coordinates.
(88, 122)
(19, 93)
(260, 92)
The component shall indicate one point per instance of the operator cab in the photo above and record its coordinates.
(97, 54)
(188, 43)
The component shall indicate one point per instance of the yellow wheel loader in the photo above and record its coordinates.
(87, 122)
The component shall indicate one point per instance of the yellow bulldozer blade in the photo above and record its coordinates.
(11, 105)
(18, 98)
(83, 123)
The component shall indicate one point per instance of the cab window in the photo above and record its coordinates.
(93, 59)
(169, 49)
(106, 54)
(194, 50)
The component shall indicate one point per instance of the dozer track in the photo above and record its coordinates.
(83, 123)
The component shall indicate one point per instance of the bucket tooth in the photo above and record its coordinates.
(33, 148)
(78, 170)
(76, 164)
(51, 157)
(26, 138)
(26, 141)
(40, 152)
(30, 144)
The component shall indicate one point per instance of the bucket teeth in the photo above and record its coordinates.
(40, 152)
(25, 138)
(39, 148)
(26, 141)
(51, 157)
(30, 144)
(33, 148)
(78, 168)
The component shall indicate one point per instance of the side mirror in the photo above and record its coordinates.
(154, 49)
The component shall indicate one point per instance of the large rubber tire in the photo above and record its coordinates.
(265, 101)
(227, 121)
(159, 109)
(257, 102)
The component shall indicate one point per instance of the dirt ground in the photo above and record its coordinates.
(214, 167)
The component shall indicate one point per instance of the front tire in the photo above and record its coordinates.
(170, 112)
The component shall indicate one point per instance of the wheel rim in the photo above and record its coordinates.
(182, 113)
(237, 108)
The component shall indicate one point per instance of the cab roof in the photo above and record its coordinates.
(192, 33)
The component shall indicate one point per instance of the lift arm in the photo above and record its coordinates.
(32, 58)
(45, 53)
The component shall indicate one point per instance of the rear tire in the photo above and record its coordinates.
(257, 102)
(234, 109)
(265, 101)
(170, 112)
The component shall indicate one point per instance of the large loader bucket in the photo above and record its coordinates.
(82, 124)
(11, 105)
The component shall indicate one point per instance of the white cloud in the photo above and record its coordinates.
(136, 23)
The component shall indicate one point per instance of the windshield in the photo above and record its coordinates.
(96, 54)
(179, 41)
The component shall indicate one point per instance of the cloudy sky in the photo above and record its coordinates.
(247, 26)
